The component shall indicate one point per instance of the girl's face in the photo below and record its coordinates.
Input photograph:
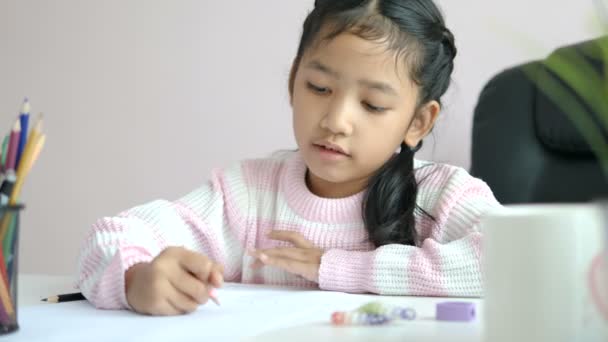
(350, 94)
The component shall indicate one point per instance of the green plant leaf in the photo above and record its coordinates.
(570, 105)
(580, 76)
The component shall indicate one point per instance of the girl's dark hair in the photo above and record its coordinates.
(415, 30)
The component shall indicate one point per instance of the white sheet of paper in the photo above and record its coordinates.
(245, 311)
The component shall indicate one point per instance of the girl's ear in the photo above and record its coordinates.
(422, 123)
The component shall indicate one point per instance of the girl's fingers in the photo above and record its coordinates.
(298, 254)
(188, 284)
(216, 278)
(256, 264)
(308, 267)
(262, 256)
(289, 265)
(295, 238)
(182, 302)
(196, 263)
(165, 309)
(172, 310)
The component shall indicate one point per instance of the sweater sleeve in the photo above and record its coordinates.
(211, 220)
(446, 262)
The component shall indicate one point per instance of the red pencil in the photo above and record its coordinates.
(11, 157)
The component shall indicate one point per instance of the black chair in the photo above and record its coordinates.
(526, 148)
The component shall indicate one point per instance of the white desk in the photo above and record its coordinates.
(34, 287)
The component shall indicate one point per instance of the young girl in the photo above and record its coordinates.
(351, 210)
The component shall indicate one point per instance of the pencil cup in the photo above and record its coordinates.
(9, 237)
(545, 273)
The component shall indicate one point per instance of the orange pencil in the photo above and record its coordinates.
(7, 302)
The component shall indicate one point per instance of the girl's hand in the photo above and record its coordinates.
(176, 282)
(304, 259)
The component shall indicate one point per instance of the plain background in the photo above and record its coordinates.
(142, 98)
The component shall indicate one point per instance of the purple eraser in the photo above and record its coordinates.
(455, 311)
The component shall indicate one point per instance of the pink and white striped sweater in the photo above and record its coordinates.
(232, 212)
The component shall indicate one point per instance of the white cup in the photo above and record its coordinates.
(545, 276)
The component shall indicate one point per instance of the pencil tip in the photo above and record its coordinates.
(26, 99)
(213, 297)
(44, 299)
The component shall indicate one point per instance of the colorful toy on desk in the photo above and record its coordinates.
(455, 311)
(376, 313)
(358, 318)
(373, 313)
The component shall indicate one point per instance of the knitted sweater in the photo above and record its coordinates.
(234, 210)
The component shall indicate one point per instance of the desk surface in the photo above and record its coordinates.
(33, 287)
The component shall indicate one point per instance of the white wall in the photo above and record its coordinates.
(143, 97)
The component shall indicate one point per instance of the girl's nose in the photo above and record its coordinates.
(338, 119)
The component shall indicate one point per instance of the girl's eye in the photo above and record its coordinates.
(372, 108)
(318, 90)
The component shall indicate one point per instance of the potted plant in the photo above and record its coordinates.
(577, 82)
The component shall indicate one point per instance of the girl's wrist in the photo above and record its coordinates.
(130, 272)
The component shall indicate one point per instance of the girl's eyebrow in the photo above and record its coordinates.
(316, 65)
(374, 85)
(380, 86)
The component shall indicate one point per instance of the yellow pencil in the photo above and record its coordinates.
(28, 162)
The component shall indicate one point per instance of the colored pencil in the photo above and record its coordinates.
(68, 297)
(5, 150)
(28, 161)
(24, 118)
(13, 142)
